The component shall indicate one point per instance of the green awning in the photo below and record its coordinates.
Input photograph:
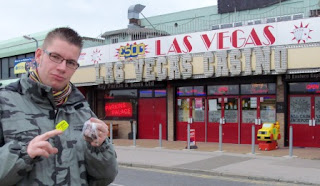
(7, 82)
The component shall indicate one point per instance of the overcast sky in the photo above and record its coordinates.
(89, 17)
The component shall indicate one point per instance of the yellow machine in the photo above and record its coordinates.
(268, 135)
(269, 132)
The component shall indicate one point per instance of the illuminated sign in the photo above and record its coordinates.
(313, 87)
(259, 88)
(263, 88)
(132, 51)
(304, 88)
(118, 109)
(223, 89)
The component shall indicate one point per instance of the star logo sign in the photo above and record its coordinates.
(96, 56)
(301, 33)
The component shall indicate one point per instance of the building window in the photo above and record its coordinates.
(114, 40)
(145, 93)
(5, 68)
(160, 93)
(191, 91)
(304, 88)
(11, 67)
(138, 36)
(120, 104)
(149, 93)
(261, 88)
(223, 90)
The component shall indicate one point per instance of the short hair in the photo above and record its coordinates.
(63, 33)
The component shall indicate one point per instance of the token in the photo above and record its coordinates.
(62, 125)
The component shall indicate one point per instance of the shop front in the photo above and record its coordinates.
(304, 113)
(234, 77)
(223, 104)
(190, 108)
(258, 106)
(152, 109)
(143, 105)
(235, 107)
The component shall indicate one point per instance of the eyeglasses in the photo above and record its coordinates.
(59, 59)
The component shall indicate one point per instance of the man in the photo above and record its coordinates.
(32, 151)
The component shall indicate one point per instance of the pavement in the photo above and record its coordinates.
(235, 160)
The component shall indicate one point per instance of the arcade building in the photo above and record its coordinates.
(235, 76)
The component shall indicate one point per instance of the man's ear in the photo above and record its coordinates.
(38, 55)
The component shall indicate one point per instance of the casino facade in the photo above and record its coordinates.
(234, 76)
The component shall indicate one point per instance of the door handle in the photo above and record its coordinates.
(314, 122)
(256, 121)
(310, 122)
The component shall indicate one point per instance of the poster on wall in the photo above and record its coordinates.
(213, 105)
(183, 110)
(179, 102)
(198, 103)
(24, 65)
(253, 102)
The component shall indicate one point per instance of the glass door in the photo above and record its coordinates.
(256, 110)
(304, 117)
(214, 117)
(190, 110)
(317, 121)
(183, 108)
(223, 110)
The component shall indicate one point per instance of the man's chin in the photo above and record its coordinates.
(57, 88)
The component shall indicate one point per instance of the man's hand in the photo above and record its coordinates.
(102, 132)
(39, 146)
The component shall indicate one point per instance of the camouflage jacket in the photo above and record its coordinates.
(27, 109)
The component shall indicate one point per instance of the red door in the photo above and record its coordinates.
(190, 108)
(255, 110)
(304, 117)
(225, 110)
(83, 90)
(152, 112)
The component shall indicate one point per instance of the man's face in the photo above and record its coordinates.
(53, 74)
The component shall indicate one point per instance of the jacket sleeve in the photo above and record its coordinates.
(101, 163)
(15, 162)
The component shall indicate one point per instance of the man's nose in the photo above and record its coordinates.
(62, 65)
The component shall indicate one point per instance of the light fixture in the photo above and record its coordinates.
(31, 38)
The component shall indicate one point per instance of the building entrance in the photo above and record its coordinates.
(152, 109)
(304, 117)
(223, 110)
(191, 107)
(256, 110)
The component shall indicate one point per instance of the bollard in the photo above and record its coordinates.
(111, 133)
(290, 141)
(253, 139)
(220, 137)
(188, 135)
(160, 135)
(134, 134)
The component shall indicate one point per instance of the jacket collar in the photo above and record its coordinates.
(41, 93)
